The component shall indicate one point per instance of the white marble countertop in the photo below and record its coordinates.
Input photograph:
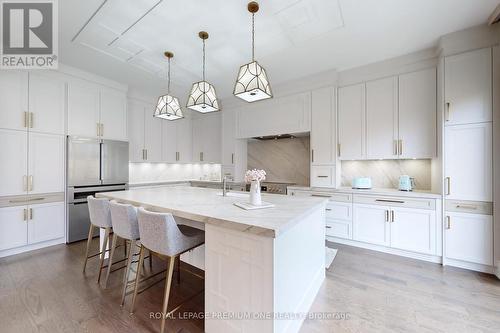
(373, 191)
(209, 206)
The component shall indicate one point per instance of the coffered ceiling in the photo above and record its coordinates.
(124, 40)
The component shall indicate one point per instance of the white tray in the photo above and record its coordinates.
(248, 206)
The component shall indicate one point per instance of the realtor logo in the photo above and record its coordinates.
(29, 34)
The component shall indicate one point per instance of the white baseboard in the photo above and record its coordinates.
(31, 247)
(471, 266)
(497, 270)
(379, 248)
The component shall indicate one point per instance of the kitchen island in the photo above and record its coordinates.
(263, 268)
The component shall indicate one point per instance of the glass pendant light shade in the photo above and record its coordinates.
(168, 106)
(252, 83)
(202, 97)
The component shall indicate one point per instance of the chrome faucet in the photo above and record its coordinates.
(224, 186)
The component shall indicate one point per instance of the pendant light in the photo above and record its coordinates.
(202, 97)
(168, 106)
(252, 83)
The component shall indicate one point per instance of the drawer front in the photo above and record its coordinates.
(473, 207)
(340, 229)
(396, 201)
(339, 211)
(323, 176)
(23, 200)
(332, 196)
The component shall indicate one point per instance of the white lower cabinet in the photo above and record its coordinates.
(27, 225)
(469, 237)
(13, 227)
(339, 219)
(46, 222)
(413, 230)
(371, 225)
(323, 176)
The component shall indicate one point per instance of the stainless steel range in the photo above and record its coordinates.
(273, 187)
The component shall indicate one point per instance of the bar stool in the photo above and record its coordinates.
(100, 217)
(125, 226)
(162, 236)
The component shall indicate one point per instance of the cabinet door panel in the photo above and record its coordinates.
(414, 230)
(351, 122)
(198, 138)
(152, 136)
(169, 141)
(14, 165)
(228, 136)
(136, 130)
(46, 163)
(468, 87)
(83, 108)
(417, 114)
(113, 116)
(469, 238)
(212, 139)
(339, 228)
(322, 176)
(184, 140)
(46, 223)
(323, 127)
(370, 224)
(381, 118)
(47, 97)
(13, 227)
(13, 99)
(468, 161)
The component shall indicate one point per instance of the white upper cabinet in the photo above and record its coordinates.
(382, 118)
(468, 162)
(169, 141)
(83, 108)
(184, 139)
(289, 114)
(207, 139)
(413, 230)
(152, 136)
(417, 114)
(46, 163)
(113, 114)
(468, 87)
(136, 130)
(47, 102)
(13, 99)
(228, 136)
(323, 127)
(351, 122)
(469, 237)
(14, 165)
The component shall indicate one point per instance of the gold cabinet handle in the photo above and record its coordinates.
(26, 120)
(328, 209)
(312, 155)
(392, 216)
(25, 214)
(447, 111)
(232, 158)
(448, 222)
(30, 119)
(467, 207)
(400, 147)
(25, 183)
(201, 156)
(338, 149)
(448, 185)
(321, 195)
(30, 183)
(328, 227)
(98, 129)
(396, 149)
(322, 176)
(102, 129)
(146, 153)
(30, 214)
(386, 215)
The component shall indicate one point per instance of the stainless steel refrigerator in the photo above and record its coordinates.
(93, 165)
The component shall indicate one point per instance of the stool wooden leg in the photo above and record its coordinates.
(168, 284)
(127, 270)
(137, 278)
(178, 269)
(103, 252)
(110, 260)
(89, 241)
(150, 261)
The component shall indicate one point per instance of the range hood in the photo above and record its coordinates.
(274, 137)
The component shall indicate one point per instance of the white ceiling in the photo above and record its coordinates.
(294, 38)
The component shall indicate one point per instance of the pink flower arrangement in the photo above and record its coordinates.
(255, 174)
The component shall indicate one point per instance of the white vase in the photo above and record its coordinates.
(255, 197)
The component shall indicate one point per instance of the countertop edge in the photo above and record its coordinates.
(382, 192)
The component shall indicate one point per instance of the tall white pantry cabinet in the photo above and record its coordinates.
(468, 160)
(32, 127)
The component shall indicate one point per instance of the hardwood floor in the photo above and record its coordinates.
(45, 291)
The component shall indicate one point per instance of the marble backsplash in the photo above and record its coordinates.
(385, 174)
(284, 160)
(158, 172)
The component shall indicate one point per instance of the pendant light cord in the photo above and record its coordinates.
(203, 60)
(253, 37)
(168, 75)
